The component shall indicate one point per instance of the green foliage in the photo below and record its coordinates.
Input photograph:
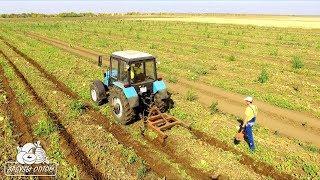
(231, 58)
(77, 106)
(172, 79)
(214, 107)
(225, 42)
(29, 112)
(142, 171)
(311, 169)
(311, 148)
(191, 95)
(263, 77)
(318, 46)
(3, 97)
(297, 62)
(201, 71)
(273, 51)
(153, 46)
(179, 113)
(44, 127)
(130, 155)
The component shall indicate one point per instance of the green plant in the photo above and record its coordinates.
(311, 169)
(263, 77)
(225, 42)
(3, 97)
(130, 155)
(153, 46)
(29, 112)
(172, 79)
(231, 58)
(214, 107)
(297, 62)
(142, 171)
(44, 127)
(201, 71)
(318, 46)
(273, 51)
(77, 106)
(191, 95)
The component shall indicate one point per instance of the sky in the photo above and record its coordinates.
(278, 7)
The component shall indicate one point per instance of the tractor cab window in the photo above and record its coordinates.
(114, 68)
(142, 71)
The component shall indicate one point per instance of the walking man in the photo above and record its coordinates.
(251, 115)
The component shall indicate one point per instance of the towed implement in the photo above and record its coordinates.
(133, 90)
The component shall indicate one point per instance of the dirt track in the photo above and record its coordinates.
(289, 123)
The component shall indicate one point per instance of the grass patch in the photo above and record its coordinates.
(263, 77)
(273, 51)
(311, 170)
(77, 106)
(214, 107)
(142, 171)
(231, 58)
(191, 95)
(29, 112)
(3, 97)
(172, 79)
(44, 127)
(130, 155)
(297, 62)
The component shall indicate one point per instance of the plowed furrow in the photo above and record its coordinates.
(77, 153)
(21, 126)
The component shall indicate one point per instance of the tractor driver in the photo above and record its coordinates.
(137, 73)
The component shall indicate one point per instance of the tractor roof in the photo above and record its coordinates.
(132, 56)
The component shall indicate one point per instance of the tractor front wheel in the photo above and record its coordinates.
(121, 109)
(98, 92)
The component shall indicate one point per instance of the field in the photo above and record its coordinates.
(48, 64)
(256, 20)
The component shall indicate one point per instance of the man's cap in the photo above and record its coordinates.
(248, 98)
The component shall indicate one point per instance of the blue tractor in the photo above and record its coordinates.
(131, 86)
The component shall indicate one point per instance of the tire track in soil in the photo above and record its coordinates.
(76, 152)
(258, 167)
(286, 122)
(119, 132)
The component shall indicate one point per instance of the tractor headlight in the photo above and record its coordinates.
(143, 89)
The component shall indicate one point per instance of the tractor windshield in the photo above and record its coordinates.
(142, 71)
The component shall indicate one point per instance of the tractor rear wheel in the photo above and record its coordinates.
(162, 104)
(98, 92)
(121, 109)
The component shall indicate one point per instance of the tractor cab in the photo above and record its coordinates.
(131, 85)
(132, 68)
